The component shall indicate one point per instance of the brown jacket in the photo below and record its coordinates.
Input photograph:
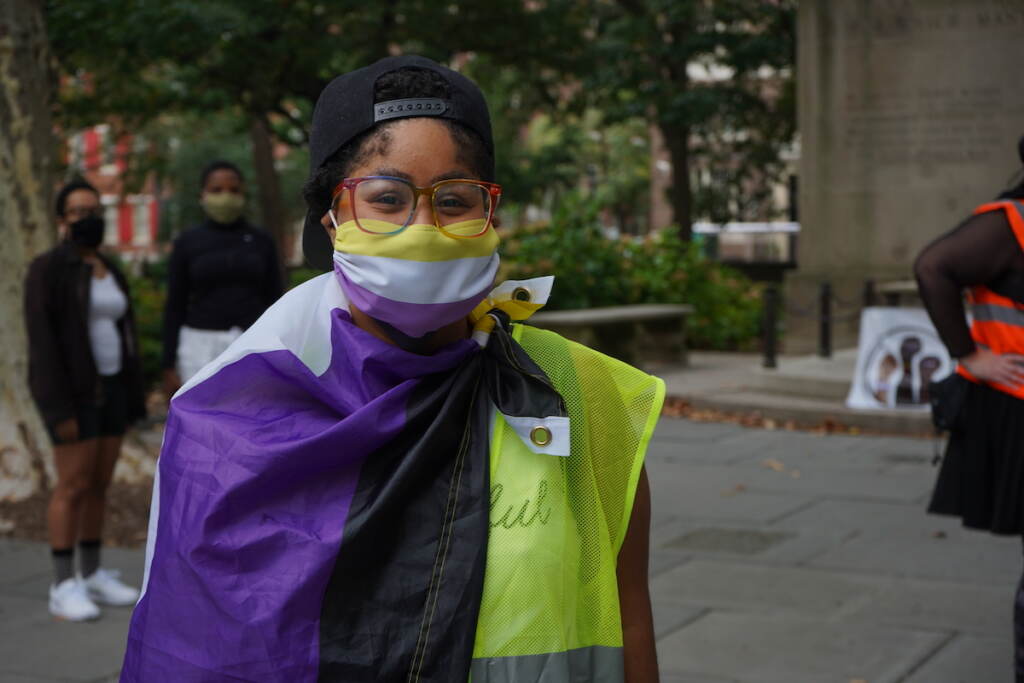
(61, 371)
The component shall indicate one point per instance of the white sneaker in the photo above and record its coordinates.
(69, 600)
(104, 587)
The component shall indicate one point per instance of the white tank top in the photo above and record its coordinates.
(107, 304)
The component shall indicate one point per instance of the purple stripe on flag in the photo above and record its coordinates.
(417, 319)
(257, 472)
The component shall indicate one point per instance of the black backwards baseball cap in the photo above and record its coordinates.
(345, 110)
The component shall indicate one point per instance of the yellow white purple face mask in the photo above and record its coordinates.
(417, 280)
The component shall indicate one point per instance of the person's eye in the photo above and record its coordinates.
(387, 199)
(453, 202)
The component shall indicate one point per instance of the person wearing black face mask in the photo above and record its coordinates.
(85, 376)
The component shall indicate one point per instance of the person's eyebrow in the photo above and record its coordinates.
(395, 173)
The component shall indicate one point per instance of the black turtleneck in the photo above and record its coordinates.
(220, 276)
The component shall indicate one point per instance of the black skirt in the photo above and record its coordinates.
(982, 476)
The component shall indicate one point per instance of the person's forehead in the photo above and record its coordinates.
(223, 175)
(81, 198)
(416, 146)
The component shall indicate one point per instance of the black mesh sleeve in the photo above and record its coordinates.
(977, 252)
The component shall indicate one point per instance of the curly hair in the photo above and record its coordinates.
(403, 83)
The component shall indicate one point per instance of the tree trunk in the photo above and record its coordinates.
(680, 195)
(270, 186)
(26, 229)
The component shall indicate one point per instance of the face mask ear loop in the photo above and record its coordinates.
(334, 221)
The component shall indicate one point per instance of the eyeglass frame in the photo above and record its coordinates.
(493, 191)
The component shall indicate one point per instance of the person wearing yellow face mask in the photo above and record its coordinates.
(223, 274)
(390, 476)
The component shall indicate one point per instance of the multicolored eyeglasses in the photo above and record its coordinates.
(383, 205)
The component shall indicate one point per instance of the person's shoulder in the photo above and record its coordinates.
(48, 259)
(189, 235)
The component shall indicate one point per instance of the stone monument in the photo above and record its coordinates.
(909, 116)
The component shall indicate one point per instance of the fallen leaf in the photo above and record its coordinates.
(773, 464)
(739, 488)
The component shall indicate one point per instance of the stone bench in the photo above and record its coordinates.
(629, 333)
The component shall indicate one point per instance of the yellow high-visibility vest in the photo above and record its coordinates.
(550, 606)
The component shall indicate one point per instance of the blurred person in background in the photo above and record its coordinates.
(377, 482)
(223, 274)
(86, 378)
(982, 475)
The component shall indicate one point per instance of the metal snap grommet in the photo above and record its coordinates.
(521, 294)
(540, 436)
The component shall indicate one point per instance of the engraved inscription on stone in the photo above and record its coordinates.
(920, 83)
(882, 19)
(927, 125)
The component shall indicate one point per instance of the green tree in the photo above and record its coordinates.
(267, 60)
(646, 57)
(26, 229)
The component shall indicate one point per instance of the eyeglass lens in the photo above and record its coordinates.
(385, 205)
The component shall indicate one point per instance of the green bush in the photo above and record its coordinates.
(591, 270)
(296, 276)
(148, 297)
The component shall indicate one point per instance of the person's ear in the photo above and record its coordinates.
(328, 226)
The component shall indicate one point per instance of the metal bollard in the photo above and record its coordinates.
(770, 326)
(825, 320)
(870, 294)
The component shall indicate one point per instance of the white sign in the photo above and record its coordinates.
(898, 355)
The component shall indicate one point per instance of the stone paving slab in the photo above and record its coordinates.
(690, 539)
(727, 499)
(986, 560)
(788, 649)
(693, 678)
(78, 652)
(669, 618)
(898, 483)
(836, 453)
(978, 610)
(962, 660)
(19, 561)
(877, 518)
(53, 650)
(762, 590)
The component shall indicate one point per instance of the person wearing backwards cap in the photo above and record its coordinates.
(389, 476)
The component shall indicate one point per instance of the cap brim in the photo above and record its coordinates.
(316, 245)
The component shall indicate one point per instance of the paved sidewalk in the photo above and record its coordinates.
(776, 557)
(804, 390)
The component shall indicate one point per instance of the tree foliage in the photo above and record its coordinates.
(715, 76)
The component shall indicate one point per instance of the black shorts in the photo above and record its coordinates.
(107, 418)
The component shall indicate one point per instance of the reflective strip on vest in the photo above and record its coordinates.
(595, 664)
(998, 314)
